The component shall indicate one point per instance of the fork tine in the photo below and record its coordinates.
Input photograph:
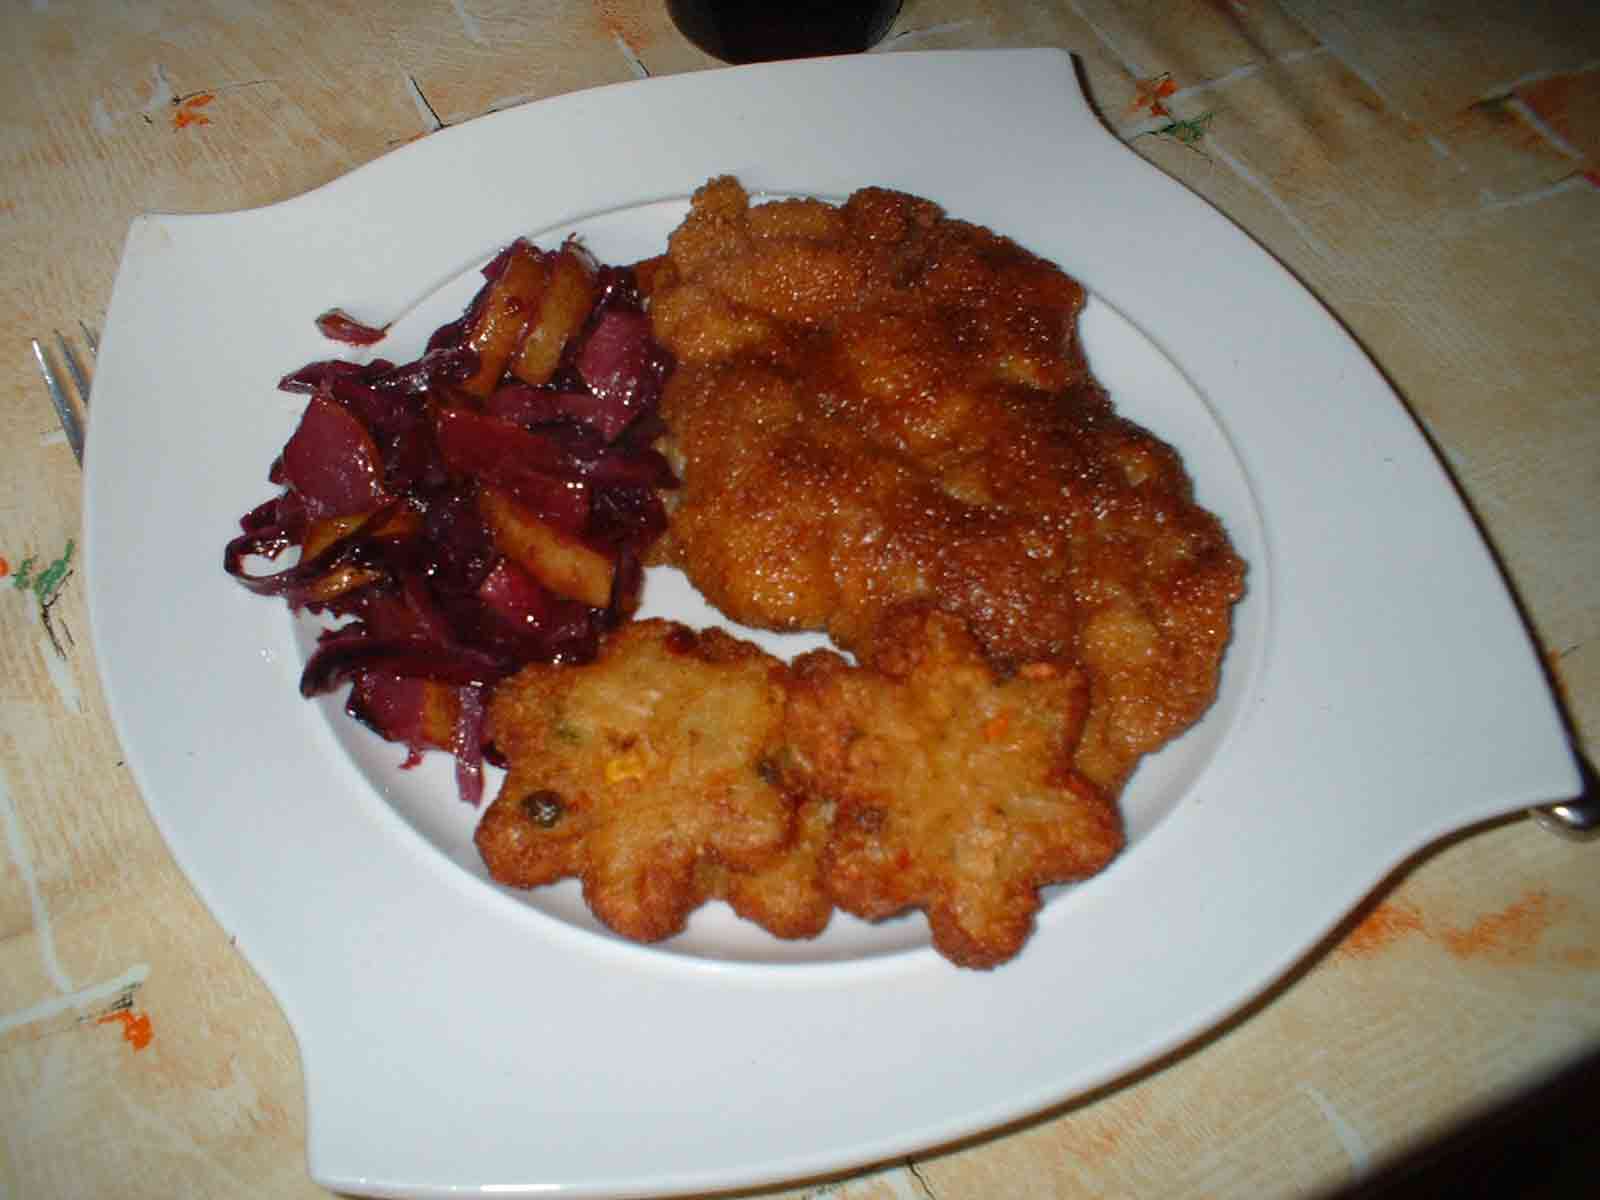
(69, 419)
(91, 338)
(74, 369)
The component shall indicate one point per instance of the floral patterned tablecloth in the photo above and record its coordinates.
(1430, 170)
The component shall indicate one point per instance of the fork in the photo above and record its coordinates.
(1578, 818)
(66, 410)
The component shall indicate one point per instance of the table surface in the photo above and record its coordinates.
(1430, 171)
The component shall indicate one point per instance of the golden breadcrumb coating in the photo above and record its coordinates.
(876, 404)
(953, 791)
(642, 774)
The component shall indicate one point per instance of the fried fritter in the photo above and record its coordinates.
(681, 767)
(876, 404)
(953, 791)
(644, 775)
(789, 897)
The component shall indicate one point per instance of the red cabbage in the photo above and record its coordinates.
(340, 326)
(381, 477)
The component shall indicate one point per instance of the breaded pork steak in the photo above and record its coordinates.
(876, 404)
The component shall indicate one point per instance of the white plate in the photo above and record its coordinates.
(1381, 691)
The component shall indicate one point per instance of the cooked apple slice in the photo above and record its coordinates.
(563, 309)
(512, 302)
(552, 556)
(402, 521)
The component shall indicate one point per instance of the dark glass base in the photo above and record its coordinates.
(743, 31)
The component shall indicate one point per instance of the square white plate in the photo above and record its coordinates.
(1380, 692)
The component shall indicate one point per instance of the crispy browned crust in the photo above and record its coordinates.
(877, 404)
(789, 897)
(642, 774)
(954, 791)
